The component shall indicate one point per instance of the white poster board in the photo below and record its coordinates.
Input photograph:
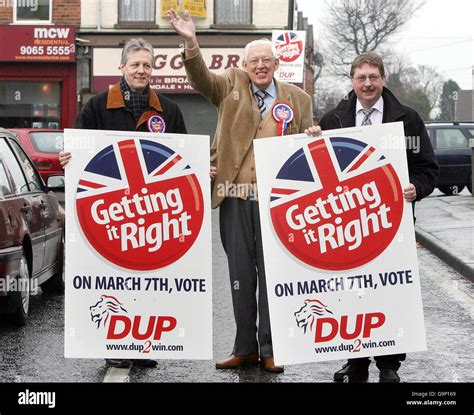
(339, 246)
(290, 46)
(138, 246)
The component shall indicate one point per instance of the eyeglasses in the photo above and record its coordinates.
(255, 61)
(372, 78)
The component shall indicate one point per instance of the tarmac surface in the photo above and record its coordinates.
(445, 226)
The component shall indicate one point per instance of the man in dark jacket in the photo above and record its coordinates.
(371, 103)
(131, 105)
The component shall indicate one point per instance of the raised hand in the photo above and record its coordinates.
(183, 25)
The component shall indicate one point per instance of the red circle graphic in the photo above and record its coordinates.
(336, 204)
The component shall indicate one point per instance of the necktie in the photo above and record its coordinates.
(367, 114)
(260, 102)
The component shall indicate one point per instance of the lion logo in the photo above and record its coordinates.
(101, 311)
(307, 315)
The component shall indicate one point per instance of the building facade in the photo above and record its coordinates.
(38, 63)
(224, 27)
(464, 106)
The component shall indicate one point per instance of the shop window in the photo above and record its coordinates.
(233, 12)
(30, 104)
(29, 11)
(137, 11)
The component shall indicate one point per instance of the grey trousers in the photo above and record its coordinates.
(242, 241)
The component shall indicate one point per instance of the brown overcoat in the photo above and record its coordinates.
(238, 115)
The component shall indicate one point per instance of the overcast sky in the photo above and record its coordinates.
(439, 35)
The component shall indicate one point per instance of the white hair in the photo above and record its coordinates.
(260, 42)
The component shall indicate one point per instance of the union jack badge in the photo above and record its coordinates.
(156, 124)
(283, 115)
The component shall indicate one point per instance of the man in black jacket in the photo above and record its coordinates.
(371, 103)
(131, 105)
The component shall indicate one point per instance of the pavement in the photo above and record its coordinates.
(445, 226)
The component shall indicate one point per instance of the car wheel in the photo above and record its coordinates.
(55, 284)
(451, 190)
(21, 296)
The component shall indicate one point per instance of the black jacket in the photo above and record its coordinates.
(423, 167)
(107, 111)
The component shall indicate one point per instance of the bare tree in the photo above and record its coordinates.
(353, 27)
(419, 87)
(431, 83)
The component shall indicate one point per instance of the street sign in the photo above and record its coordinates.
(290, 47)
(37, 43)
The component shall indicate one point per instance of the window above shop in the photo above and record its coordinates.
(32, 11)
(233, 13)
(136, 13)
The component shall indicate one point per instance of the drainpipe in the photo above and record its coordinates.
(99, 15)
(291, 14)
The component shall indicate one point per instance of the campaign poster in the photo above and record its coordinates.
(339, 245)
(138, 246)
(290, 47)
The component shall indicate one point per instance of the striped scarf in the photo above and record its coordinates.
(137, 103)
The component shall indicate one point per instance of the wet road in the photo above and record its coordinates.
(35, 353)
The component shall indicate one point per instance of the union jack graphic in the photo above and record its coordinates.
(146, 181)
(287, 38)
(324, 163)
(130, 164)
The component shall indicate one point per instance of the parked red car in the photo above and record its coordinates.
(31, 231)
(43, 147)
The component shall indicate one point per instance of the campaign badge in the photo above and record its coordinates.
(283, 115)
(336, 204)
(156, 124)
(139, 204)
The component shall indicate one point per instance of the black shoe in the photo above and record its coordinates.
(118, 363)
(145, 362)
(389, 376)
(352, 373)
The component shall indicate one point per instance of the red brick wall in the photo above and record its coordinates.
(65, 12)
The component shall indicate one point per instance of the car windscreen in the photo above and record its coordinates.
(47, 141)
